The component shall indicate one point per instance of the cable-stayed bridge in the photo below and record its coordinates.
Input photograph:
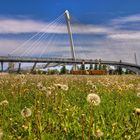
(46, 47)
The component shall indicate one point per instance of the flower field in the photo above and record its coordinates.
(40, 107)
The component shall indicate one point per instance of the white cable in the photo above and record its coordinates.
(33, 36)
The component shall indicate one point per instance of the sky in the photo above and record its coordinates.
(102, 29)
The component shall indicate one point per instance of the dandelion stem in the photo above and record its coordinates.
(82, 126)
(91, 121)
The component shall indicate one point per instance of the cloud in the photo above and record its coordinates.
(125, 35)
(17, 26)
(100, 49)
(126, 19)
(125, 28)
(97, 41)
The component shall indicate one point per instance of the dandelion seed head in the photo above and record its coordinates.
(4, 103)
(137, 111)
(43, 88)
(138, 94)
(26, 112)
(48, 93)
(63, 87)
(99, 133)
(93, 99)
(39, 85)
(22, 76)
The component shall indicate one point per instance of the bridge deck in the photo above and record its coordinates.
(63, 60)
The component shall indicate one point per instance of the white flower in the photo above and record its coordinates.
(4, 103)
(93, 99)
(26, 112)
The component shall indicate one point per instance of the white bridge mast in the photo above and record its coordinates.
(67, 16)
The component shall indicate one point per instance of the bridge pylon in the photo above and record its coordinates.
(67, 16)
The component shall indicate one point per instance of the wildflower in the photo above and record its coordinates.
(10, 119)
(65, 129)
(83, 115)
(93, 99)
(25, 127)
(49, 88)
(43, 89)
(137, 111)
(58, 85)
(4, 103)
(98, 133)
(26, 112)
(1, 133)
(48, 93)
(138, 94)
(19, 137)
(94, 86)
(63, 87)
(89, 82)
(22, 76)
(39, 85)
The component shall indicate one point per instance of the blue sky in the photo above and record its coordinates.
(107, 29)
(82, 9)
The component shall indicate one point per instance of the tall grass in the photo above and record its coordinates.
(59, 112)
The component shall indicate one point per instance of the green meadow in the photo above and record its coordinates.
(40, 107)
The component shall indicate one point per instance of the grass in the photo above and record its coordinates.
(61, 113)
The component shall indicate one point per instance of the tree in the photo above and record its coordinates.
(55, 71)
(119, 69)
(63, 70)
(82, 66)
(104, 67)
(127, 71)
(100, 66)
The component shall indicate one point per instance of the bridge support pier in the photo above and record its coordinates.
(33, 67)
(19, 67)
(1, 66)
